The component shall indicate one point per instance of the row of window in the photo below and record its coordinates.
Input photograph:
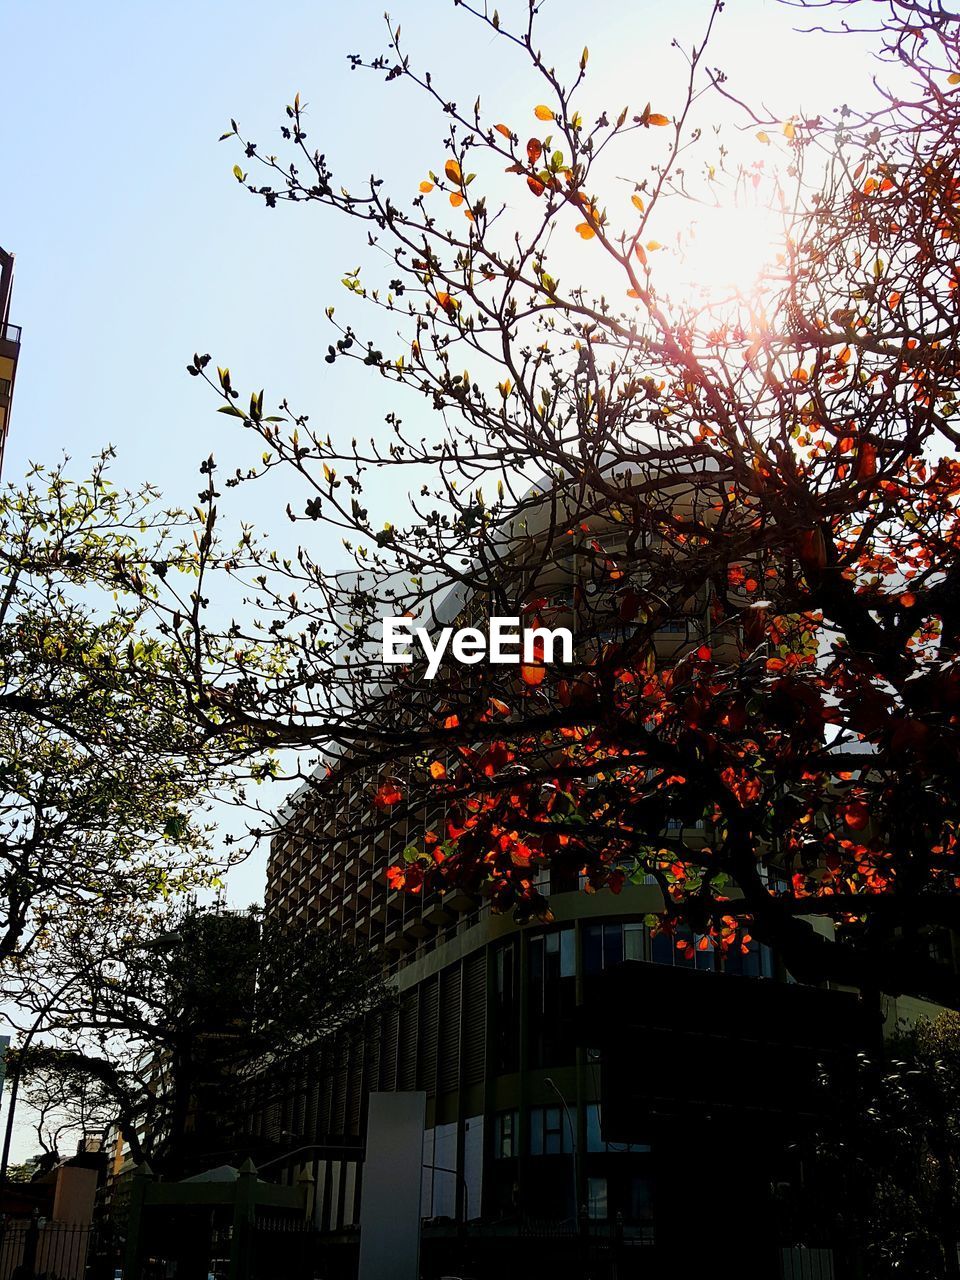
(551, 1133)
(551, 980)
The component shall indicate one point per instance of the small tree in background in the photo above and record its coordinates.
(163, 1029)
(111, 748)
(883, 1168)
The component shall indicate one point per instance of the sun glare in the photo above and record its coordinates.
(724, 253)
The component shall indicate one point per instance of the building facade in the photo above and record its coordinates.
(9, 348)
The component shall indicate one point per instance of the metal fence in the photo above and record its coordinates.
(44, 1251)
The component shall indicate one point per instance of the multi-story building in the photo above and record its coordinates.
(499, 1025)
(9, 348)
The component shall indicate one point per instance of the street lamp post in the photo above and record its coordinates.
(573, 1145)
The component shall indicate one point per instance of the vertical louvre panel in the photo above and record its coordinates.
(339, 1110)
(325, 1072)
(355, 1083)
(310, 1126)
(371, 1053)
(448, 1066)
(389, 1021)
(407, 1048)
(474, 1018)
(429, 1017)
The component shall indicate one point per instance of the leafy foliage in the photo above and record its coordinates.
(768, 475)
(162, 1029)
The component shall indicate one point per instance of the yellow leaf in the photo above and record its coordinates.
(654, 244)
(764, 138)
(954, 77)
(543, 113)
(656, 118)
(426, 186)
(585, 230)
(452, 170)
(637, 203)
(788, 130)
(502, 128)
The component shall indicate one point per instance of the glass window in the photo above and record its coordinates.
(506, 1134)
(594, 1140)
(757, 963)
(640, 1208)
(633, 942)
(597, 1198)
(551, 996)
(507, 1017)
(549, 1132)
(603, 946)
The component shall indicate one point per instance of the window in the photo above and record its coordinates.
(506, 1135)
(595, 1142)
(550, 1132)
(597, 1198)
(757, 963)
(507, 1016)
(699, 953)
(551, 997)
(607, 944)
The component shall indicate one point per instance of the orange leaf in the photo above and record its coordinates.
(585, 231)
(908, 599)
(543, 113)
(426, 186)
(532, 674)
(656, 118)
(438, 770)
(452, 170)
(637, 203)
(387, 795)
(534, 150)
(456, 199)
(502, 128)
(536, 186)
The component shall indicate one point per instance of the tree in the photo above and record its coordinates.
(882, 1168)
(162, 1029)
(775, 467)
(110, 745)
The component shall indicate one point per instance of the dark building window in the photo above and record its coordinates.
(757, 963)
(597, 1198)
(507, 1031)
(595, 1141)
(506, 1135)
(552, 997)
(608, 944)
(693, 955)
(549, 1132)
